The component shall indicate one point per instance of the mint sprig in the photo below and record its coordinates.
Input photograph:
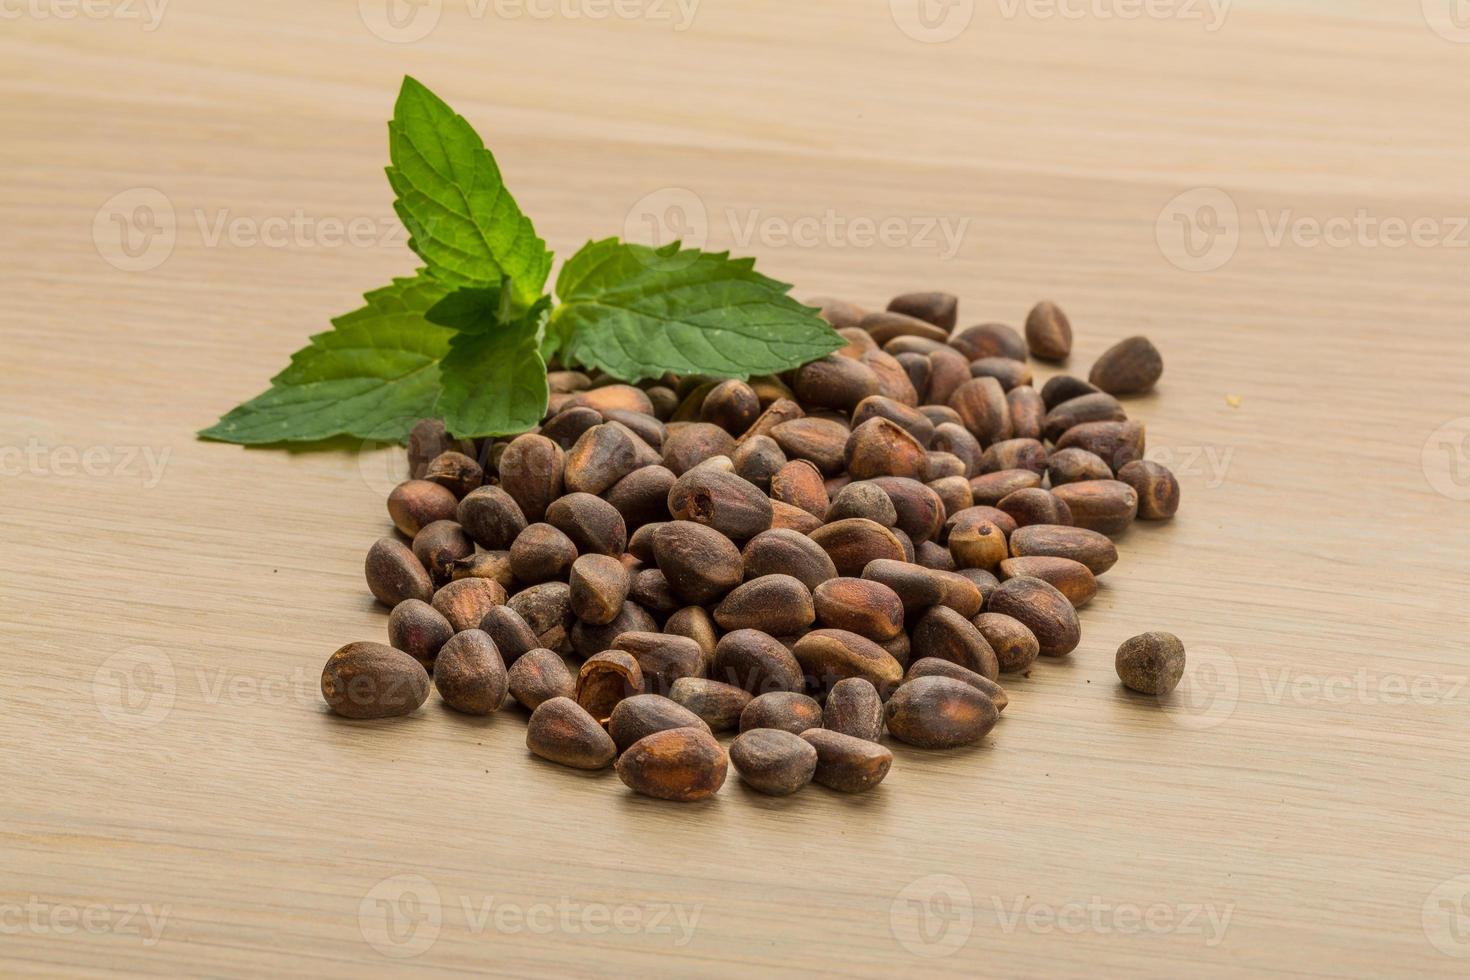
(468, 338)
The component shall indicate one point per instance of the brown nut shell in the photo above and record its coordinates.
(643, 714)
(561, 731)
(394, 574)
(939, 713)
(605, 679)
(538, 676)
(1090, 548)
(772, 761)
(786, 710)
(470, 675)
(682, 764)
(1041, 609)
(372, 680)
(848, 764)
(854, 708)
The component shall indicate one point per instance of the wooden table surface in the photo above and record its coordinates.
(1274, 192)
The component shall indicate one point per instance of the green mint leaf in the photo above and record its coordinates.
(472, 308)
(637, 312)
(493, 380)
(372, 376)
(461, 218)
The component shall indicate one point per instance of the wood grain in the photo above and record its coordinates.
(1314, 791)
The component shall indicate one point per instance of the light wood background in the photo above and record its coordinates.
(167, 603)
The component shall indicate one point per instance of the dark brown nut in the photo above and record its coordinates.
(854, 708)
(1035, 506)
(717, 704)
(547, 610)
(959, 592)
(426, 442)
(700, 563)
(1041, 609)
(983, 581)
(513, 636)
(487, 564)
(848, 764)
(884, 326)
(991, 488)
(893, 380)
(981, 403)
(732, 405)
(939, 713)
(605, 679)
(827, 656)
(566, 426)
(989, 340)
(650, 589)
(779, 604)
(599, 585)
(1130, 367)
(1156, 487)
(758, 459)
(419, 630)
(1014, 454)
(916, 366)
(733, 506)
(689, 445)
(695, 623)
(371, 680)
(439, 545)
(491, 517)
(640, 545)
(978, 544)
(934, 667)
(1071, 578)
(1075, 465)
(943, 633)
(1096, 407)
(1079, 544)
(937, 308)
(838, 312)
(1064, 387)
(788, 518)
(456, 472)
(898, 648)
(853, 542)
(783, 710)
(1027, 412)
(920, 510)
(756, 662)
(539, 675)
(682, 764)
(416, 504)
(934, 556)
(955, 439)
(541, 553)
(664, 401)
(588, 638)
(1015, 646)
(593, 524)
(799, 483)
(820, 441)
(561, 731)
(917, 587)
(645, 427)
(464, 602)
(607, 397)
(1048, 332)
(910, 419)
(879, 447)
(641, 715)
(1116, 443)
(780, 410)
(860, 606)
(981, 512)
(470, 674)
(781, 551)
(1010, 374)
(942, 466)
(866, 500)
(601, 457)
(1105, 506)
(774, 762)
(394, 574)
(948, 369)
(1151, 663)
(664, 658)
(834, 382)
(642, 497)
